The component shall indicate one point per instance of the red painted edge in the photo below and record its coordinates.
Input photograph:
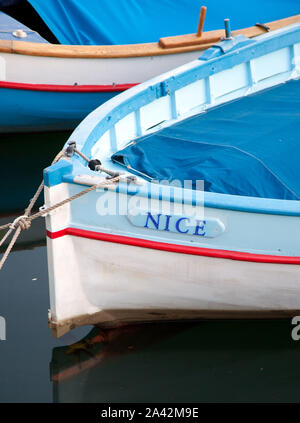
(175, 248)
(66, 88)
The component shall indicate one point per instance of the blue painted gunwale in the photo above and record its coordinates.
(104, 117)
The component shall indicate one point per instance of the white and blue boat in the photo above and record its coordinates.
(105, 48)
(204, 221)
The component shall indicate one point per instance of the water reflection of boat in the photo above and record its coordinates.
(208, 361)
(102, 345)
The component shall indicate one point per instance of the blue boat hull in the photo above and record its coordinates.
(32, 111)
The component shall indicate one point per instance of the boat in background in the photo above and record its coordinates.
(134, 249)
(46, 86)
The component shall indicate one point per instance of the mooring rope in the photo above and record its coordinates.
(33, 200)
(23, 222)
(96, 164)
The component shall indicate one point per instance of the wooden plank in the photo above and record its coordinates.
(6, 46)
(191, 39)
(100, 52)
(215, 36)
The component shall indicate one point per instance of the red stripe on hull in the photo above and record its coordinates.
(66, 88)
(175, 248)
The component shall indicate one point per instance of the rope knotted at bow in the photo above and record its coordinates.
(23, 222)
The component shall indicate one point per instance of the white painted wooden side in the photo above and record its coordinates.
(89, 71)
(99, 275)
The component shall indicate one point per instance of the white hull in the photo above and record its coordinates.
(107, 283)
(27, 69)
(115, 267)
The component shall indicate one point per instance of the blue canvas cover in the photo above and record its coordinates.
(8, 25)
(248, 147)
(6, 3)
(142, 21)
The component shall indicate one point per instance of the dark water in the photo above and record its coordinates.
(227, 361)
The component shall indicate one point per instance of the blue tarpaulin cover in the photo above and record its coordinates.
(6, 3)
(142, 21)
(249, 147)
(8, 25)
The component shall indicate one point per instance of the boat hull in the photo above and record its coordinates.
(34, 111)
(109, 283)
(48, 87)
(144, 251)
(52, 93)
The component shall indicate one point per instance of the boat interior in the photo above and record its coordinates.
(245, 147)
